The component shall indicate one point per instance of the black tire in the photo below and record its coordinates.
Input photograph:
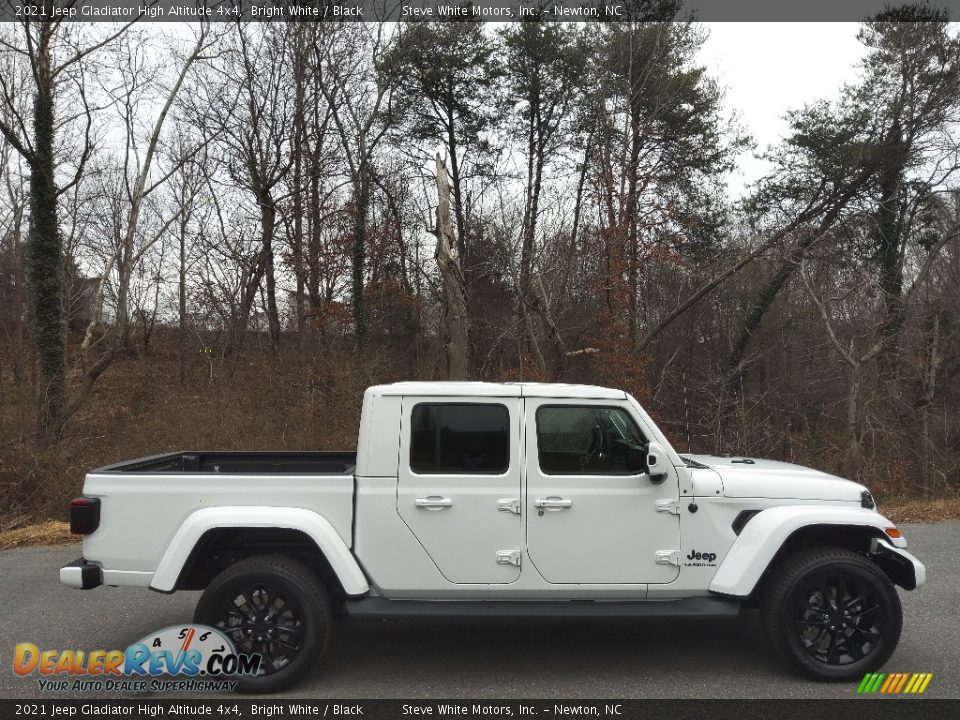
(831, 613)
(274, 606)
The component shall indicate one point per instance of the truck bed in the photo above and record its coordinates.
(241, 463)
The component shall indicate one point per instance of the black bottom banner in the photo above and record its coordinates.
(874, 709)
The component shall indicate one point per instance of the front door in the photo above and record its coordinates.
(591, 510)
(459, 485)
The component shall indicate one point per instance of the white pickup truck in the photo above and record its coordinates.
(479, 499)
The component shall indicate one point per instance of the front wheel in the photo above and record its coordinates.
(832, 613)
(272, 606)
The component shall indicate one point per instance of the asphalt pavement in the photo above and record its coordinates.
(496, 659)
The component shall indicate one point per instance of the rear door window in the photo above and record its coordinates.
(459, 438)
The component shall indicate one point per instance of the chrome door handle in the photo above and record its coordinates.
(433, 502)
(552, 503)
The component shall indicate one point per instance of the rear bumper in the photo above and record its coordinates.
(81, 574)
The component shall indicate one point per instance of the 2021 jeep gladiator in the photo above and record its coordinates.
(479, 499)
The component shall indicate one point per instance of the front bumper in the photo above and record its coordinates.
(81, 574)
(905, 570)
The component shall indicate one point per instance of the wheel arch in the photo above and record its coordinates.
(211, 539)
(776, 533)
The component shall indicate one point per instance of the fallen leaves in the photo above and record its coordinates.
(51, 532)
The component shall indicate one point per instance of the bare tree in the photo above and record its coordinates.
(455, 321)
(358, 95)
(55, 53)
(139, 183)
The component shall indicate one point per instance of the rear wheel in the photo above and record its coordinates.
(272, 606)
(832, 613)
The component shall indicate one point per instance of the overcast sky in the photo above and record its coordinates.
(769, 68)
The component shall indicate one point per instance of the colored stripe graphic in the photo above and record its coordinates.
(903, 681)
(894, 683)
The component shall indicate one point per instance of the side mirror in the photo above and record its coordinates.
(657, 462)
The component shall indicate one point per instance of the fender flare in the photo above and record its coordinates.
(313, 525)
(765, 533)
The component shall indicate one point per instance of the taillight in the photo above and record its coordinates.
(84, 515)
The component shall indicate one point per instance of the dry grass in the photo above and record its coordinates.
(51, 532)
(902, 510)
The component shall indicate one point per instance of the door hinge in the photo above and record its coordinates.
(668, 557)
(508, 557)
(669, 506)
(510, 505)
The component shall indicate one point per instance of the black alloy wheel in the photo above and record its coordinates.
(831, 613)
(274, 607)
(839, 620)
(262, 619)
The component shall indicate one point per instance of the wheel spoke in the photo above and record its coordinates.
(291, 633)
(861, 613)
(869, 635)
(812, 645)
(854, 601)
(833, 648)
(856, 649)
(232, 609)
(284, 643)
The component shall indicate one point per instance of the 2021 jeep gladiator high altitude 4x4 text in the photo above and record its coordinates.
(475, 499)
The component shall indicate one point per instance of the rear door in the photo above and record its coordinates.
(459, 485)
(591, 519)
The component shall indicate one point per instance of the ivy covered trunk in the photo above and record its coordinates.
(45, 256)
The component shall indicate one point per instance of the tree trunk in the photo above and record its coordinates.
(889, 241)
(458, 210)
(182, 302)
(855, 453)
(630, 223)
(455, 320)
(268, 221)
(359, 253)
(313, 241)
(45, 252)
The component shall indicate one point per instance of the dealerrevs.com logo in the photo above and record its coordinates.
(202, 658)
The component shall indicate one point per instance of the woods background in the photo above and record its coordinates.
(216, 236)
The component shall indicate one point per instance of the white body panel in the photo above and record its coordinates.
(750, 478)
(379, 539)
(141, 512)
(611, 531)
(316, 527)
(764, 534)
(455, 517)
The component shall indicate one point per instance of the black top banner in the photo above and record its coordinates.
(450, 10)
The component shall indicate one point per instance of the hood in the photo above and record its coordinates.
(750, 477)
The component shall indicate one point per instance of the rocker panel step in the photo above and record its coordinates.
(377, 608)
